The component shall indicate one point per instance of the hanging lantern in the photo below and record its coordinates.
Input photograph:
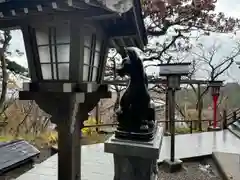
(215, 87)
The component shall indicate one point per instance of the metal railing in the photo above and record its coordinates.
(190, 124)
(232, 117)
(3, 124)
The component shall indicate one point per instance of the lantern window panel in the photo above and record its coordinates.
(90, 73)
(87, 55)
(42, 36)
(86, 70)
(88, 40)
(44, 54)
(62, 34)
(98, 45)
(54, 52)
(49, 71)
(55, 71)
(63, 71)
(63, 52)
(92, 49)
(94, 73)
(96, 59)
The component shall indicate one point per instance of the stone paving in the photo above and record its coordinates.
(200, 144)
(95, 165)
(235, 128)
(99, 165)
(229, 164)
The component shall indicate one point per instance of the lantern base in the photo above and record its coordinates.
(211, 128)
(173, 166)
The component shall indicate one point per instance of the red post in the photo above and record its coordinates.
(215, 99)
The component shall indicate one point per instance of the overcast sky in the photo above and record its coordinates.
(230, 8)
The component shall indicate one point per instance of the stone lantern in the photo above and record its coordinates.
(215, 92)
(66, 44)
(173, 72)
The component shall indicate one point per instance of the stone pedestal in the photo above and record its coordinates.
(135, 160)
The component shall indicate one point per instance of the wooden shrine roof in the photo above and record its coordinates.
(126, 29)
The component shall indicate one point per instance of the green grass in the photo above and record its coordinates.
(6, 138)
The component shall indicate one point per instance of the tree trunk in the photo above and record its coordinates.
(7, 38)
(97, 117)
(199, 108)
(117, 102)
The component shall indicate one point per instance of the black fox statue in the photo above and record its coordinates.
(136, 115)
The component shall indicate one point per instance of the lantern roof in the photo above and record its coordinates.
(215, 83)
(124, 29)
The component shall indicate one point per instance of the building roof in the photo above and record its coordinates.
(126, 29)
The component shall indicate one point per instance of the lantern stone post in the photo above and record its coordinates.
(173, 72)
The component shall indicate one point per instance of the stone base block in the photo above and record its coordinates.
(211, 128)
(134, 168)
(172, 166)
(135, 160)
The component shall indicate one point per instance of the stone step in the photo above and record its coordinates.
(237, 124)
(228, 164)
(235, 128)
(15, 153)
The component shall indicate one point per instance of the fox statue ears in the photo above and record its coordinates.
(132, 54)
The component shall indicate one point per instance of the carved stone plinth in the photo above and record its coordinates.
(135, 160)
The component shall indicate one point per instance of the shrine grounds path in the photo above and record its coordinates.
(99, 165)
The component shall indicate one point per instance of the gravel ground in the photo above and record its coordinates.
(198, 170)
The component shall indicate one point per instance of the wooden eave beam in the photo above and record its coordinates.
(42, 16)
(137, 26)
(131, 39)
(122, 41)
(9, 5)
(103, 17)
(78, 4)
(59, 6)
(11, 8)
(138, 17)
(112, 41)
(119, 32)
(33, 9)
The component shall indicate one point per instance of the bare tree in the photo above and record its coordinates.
(192, 14)
(182, 17)
(213, 66)
(113, 62)
(5, 39)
